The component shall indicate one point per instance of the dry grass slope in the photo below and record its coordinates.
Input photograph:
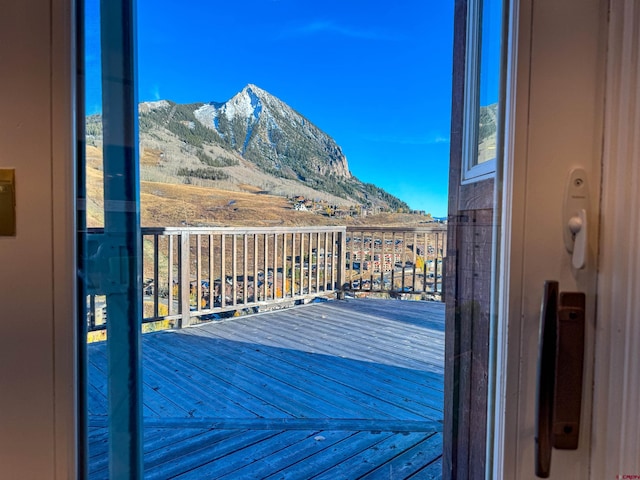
(173, 204)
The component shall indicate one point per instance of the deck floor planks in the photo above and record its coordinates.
(297, 385)
(429, 314)
(155, 401)
(232, 380)
(96, 401)
(433, 471)
(395, 382)
(333, 316)
(395, 313)
(344, 394)
(344, 333)
(360, 464)
(204, 454)
(291, 454)
(279, 333)
(200, 440)
(355, 346)
(97, 377)
(209, 398)
(292, 354)
(293, 403)
(154, 439)
(287, 338)
(334, 455)
(366, 323)
(152, 436)
(409, 462)
(218, 385)
(328, 338)
(249, 455)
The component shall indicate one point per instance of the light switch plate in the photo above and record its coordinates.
(7, 202)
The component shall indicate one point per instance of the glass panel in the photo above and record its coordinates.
(247, 113)
(489, 80)
(482, 89)
(112, 243)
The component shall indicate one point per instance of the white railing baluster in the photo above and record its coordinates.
(293, 265)
(245, 271)
(198, 272)
(234, 269)
(255, 267)
(265, 252)
(274, 288)
(223, 270)
(211, 274)
(184, 278)
(170, 274)
(156, 275)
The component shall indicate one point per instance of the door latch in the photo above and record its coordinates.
(575, 216)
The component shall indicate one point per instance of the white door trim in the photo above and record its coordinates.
(63, 213)
(615, 451)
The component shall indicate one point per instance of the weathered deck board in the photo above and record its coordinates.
(312, 327)
(409, 462)
(334, 390)
(336, 367)
(330, 391)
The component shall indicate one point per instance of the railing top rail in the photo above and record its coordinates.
(271, 230)
(425, 229)
(229, 230)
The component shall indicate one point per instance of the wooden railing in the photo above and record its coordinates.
(193, 274)
(400, 261)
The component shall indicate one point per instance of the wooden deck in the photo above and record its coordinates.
(335, 390)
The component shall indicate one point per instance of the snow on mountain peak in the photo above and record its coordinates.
(245, 104)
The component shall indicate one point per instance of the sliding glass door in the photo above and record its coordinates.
(294, 301)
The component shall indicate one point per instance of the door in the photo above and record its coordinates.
(338, 427)
(550, 128)
(554, 63)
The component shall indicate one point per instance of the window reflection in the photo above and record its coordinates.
(482, 89)
(489, 80)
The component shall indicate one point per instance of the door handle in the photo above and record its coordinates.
(560, 365)
(578, 227)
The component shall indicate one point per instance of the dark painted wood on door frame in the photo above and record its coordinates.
(467, 294)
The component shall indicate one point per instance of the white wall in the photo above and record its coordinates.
(36, 266)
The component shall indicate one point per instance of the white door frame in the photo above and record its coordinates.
(554, 118)
(615, 447)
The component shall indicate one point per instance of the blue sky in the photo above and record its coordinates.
(375, 75)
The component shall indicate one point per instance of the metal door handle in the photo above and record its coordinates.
(578, 227)
(560, 365)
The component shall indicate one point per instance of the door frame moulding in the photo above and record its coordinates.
(63, 212)
(615, 443)
(503, 418)
(509, 219)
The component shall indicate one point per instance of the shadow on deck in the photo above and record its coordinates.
(337, 390)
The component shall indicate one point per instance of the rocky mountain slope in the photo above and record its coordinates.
(266, 131)
(253, 140)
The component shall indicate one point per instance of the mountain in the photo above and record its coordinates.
(268, 132)
(253, 139)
